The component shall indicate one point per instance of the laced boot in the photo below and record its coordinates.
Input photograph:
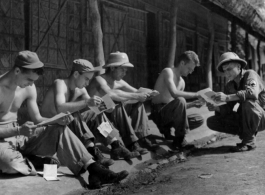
(135, 147)
(119, 151)
(99, 175)
(38, 161)
(98, 156)
(146, 143)
(180, 143)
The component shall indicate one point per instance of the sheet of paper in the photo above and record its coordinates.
(206, 94)
(53, 119)
(108, 104)
(50, 172)
(105, 128)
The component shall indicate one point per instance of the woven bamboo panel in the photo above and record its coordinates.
(12, 38)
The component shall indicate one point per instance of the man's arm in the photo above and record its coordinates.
(119, 94)
(175, 93)
(32, 106)
(61, 104)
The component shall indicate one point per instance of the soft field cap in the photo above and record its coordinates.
(118, 59)
(230, 57)
(28, 59)
(81, 65)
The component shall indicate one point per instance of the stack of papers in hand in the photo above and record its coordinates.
(207, 94)
(106, 105)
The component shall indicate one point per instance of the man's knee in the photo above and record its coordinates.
(212, 122)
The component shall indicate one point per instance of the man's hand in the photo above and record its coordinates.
(211, 107)
(198, 103)
(65, 120)
(27, 129)
(94, 101)
(143, 96)
(219, 97)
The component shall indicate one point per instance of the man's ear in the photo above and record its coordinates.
(17, 71)
(112, 68)
(182, 63)
(76, 74)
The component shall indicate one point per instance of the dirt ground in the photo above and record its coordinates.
(223, 173)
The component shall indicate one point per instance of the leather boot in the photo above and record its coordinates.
(119, 151)
(98, 156)
(135, 147)
(99, 175)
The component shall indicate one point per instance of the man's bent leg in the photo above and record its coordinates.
(58, 139)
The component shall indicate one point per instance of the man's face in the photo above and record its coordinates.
(83, 79)
(187, 68)
(231, 70)
(119, 72)
(25, 79)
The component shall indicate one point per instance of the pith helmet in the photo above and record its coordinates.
(118, 59)
(230, 57)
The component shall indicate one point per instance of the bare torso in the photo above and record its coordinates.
(48, 108)
(11, 101)
(161, 86)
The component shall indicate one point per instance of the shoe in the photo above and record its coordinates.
(146, 143)
(135, 147)
(242, 148)
(119, 151)
(180, 144)
(38, 161)
(99, 175)
(98, 156)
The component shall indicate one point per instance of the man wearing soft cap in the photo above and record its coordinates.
(17, 86)
(130, 119)
(246, 88)
(70, 95)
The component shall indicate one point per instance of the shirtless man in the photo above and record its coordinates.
(169, 107)
(130, 119)
(70, 95)
(17, 86)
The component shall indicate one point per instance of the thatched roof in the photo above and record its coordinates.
(250, 12)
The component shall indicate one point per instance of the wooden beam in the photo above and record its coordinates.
(49, 28)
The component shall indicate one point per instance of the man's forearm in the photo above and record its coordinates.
(72, 106)
(232, 97)
(119, 95)
(9, 132)
(186, 95)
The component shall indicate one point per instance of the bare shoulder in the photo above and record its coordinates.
(99, 80)
(167, 72)
(30, 91)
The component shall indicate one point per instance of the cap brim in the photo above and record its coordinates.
(220, 65)
(97, 69)
(128, 64)
(34, 66)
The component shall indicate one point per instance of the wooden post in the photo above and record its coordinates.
(173, 33)
(233, 36)
(247, 50)
(96, 33)
(258, 60)
(209, 80)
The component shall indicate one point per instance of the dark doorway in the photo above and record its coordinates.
(152, 49)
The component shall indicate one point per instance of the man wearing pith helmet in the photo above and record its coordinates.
(246, 88)
(130, 119)
(69, 95)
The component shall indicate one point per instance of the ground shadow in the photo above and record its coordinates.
(212, 150)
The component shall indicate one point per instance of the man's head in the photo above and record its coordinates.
(231, 65)
(117, 65)
(82, 72)
(27, 68)
(186, 62)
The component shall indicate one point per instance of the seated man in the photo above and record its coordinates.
(17, 86)
(70, 95)
(169, 108)
(130, 119)
(246, 88)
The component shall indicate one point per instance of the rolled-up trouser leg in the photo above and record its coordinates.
(229, 124)
(61, 140)
(93, 126)
(195, 120)
(253, 120)
(139, 119)
(122, 122)
(80, 129)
